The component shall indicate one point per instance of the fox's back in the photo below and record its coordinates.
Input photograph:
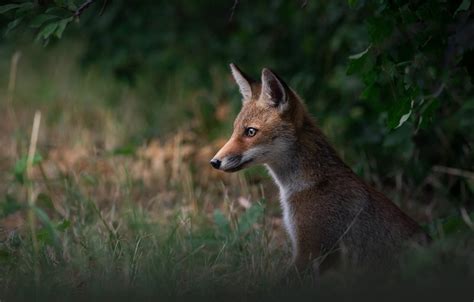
(356, 224)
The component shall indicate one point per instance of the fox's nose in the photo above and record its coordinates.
(215, 163)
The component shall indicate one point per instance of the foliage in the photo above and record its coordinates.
(48, 19)
(418, 53)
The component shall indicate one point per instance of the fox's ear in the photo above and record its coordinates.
(243, 80)
(274, 90)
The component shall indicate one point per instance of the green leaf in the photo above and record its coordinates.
(89, 179)
(125, 150)
(399, 113)
(44, 236)
(8, 7)
(59, 12)
(222, 223)
(24, 8)
(464, 6)
(19, 170)
(12, 25)
(9, 206)
(379, 28)
(48, 234)
(403, 119)
(360, 54)
(389, 68)
(39, 20)
(370, 77)
(71, 5)
(371, 93)
(454, 224)
(43, 217)
(47, 31)
(44, 201)
(249, 218)
(360, 66)
(5, 256)
(64, 225)
(352, 3)
(61, 26)
(37, 158)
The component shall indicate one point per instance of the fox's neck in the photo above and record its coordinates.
(307, 162)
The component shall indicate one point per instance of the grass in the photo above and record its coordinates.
(117, 216)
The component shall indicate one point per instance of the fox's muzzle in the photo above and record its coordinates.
(230, 163)
(232, 157)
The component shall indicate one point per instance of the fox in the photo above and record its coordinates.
(331, 216)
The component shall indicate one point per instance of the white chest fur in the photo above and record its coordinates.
(289, 219)
(288, 187)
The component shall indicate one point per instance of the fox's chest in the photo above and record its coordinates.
(289, 221)
(289, 185)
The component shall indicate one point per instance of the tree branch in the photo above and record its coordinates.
(103, 7)
(232, 11)
(454, 171)
(83, 7)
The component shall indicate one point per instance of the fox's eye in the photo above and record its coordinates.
(250, 131)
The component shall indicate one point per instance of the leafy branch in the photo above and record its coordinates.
(48, 18)
(415, 49)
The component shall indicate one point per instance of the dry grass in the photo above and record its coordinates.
(107, 210)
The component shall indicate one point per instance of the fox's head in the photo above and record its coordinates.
(266, 126)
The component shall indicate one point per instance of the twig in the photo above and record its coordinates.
(104, 5)
(50, 190)
(435, 94)
(11, 86)
(454, 171)
(33, 141)
(135, 257)
(30, 190)
(466, 218)
(333, 248)
(13, 71)
(83, 7)
(232, 11)
(191, 254)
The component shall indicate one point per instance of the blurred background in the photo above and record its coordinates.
(135, 98)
